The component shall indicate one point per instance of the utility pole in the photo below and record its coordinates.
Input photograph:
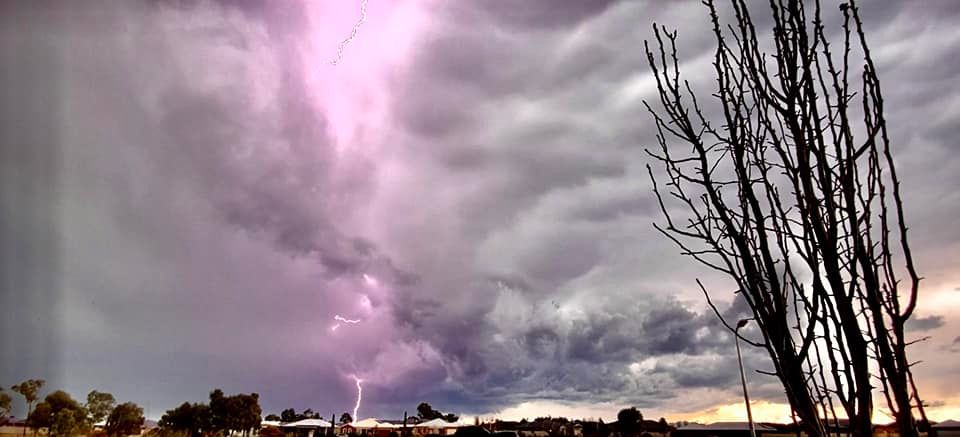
(743, 379)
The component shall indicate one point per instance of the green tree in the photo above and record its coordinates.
(60, 414)
(272, 418)
(99, 405)
(29, 389)
(125, 419)
(629, 420)
(346, 418)
(66, 423)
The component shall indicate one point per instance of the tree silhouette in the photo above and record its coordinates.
(788, 195)
(629, 420)
(193, 419)
(426, 412)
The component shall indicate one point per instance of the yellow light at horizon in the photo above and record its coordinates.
(780, 413)
(735, 412)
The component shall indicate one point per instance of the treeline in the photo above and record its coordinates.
(223, 415)
(629, 423)
(62, 416)
(424, 412)
(291, 415)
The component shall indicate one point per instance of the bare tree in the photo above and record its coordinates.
(797, 201)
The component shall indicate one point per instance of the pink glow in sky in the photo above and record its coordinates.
(354, 94)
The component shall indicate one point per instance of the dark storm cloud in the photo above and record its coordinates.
(498, 115)
(673, 329)
(603, 339)
(541, 128)
(664, 328)
(701, 372)
(589, 359)
(213, 229)
(924, 323)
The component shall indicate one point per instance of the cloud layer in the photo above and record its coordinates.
(192, 193)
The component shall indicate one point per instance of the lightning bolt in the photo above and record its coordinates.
(353, 33)
(339, 319)
(356, 407)
(371, 281)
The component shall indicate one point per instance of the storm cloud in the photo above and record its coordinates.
(191, 186)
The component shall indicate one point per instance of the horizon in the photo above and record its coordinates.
(446, 202)
(766, 413)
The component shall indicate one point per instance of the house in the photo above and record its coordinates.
(304, 428)
(369, 427)
(721, 429)
(438, 426)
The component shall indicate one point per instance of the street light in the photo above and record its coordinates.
(743, 379)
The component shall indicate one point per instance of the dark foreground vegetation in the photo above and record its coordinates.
(57, 414)
(62, 416)
(782, 177)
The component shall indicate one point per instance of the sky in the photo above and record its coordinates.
(192, 191)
